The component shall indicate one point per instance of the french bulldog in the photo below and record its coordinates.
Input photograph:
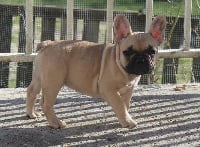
(108, 71)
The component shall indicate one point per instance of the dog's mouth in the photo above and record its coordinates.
(141, 64)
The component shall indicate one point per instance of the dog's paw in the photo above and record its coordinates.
(129, 123)
(33, 115)
(58, 124)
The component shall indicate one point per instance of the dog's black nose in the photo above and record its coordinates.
(140, 60)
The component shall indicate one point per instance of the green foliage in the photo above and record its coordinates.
(12, 2)
(98, 4)
(58, 3)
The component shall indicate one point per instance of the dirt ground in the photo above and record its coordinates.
(165, 118)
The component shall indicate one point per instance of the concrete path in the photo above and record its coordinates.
(165, 117)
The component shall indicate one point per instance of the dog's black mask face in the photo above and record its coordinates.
(140, 63)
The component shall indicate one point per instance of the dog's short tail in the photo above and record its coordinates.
(43, 45)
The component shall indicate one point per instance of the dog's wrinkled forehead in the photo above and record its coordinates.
(138, 41)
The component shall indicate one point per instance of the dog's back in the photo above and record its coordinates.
(73, 60)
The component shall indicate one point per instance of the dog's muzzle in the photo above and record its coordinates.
(140, 64)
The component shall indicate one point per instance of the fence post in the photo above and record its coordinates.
(149, 14)
(187, 24)
(29, 26)
(70, 19)
(109, 21)
(24, 70)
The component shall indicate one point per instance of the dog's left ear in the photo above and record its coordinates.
(157, 28)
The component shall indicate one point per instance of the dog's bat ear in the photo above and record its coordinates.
(157, 28)
(121, 28)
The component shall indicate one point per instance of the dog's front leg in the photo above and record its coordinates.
(119, 106)
(126, 93)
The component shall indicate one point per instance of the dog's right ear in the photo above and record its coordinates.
(122, 28)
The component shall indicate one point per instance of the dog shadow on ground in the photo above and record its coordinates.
(162, 120)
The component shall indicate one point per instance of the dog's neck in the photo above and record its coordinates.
(119, 64)
(118, 60)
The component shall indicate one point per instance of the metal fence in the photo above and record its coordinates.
(24, 23)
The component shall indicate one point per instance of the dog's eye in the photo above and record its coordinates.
(129, 52)
(151, 51)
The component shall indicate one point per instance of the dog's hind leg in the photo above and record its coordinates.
(49, 94)
(32, 91)
(48, 100)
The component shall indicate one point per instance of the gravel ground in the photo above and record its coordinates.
(165, 117)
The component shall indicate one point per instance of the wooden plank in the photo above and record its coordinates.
(17, 57)
(174, 53)
(179, 53)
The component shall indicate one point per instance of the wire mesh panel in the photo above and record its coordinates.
(134, 10)
(174, 11)
(176, 70)
(12, 41)
(24, 70)
(90, 20)
(195, 39)
(5, 43)
(49, 20)
(90, 23)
